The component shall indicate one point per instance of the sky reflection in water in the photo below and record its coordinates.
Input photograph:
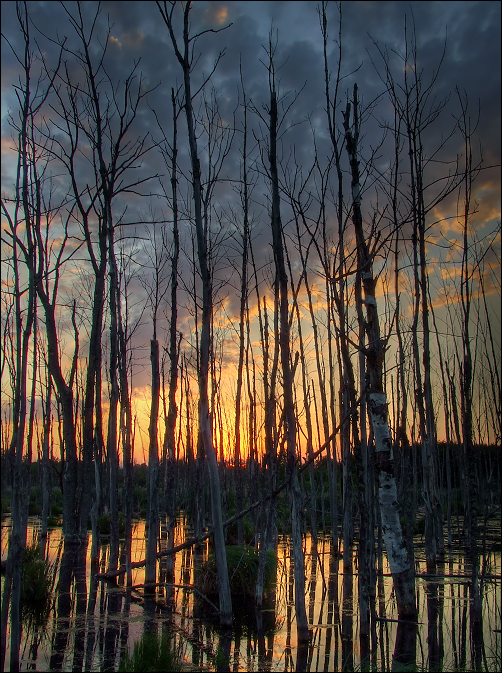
(99, 622)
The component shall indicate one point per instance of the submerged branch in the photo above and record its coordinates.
(188, 587)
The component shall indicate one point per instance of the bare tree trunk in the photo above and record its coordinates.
(205, 429)
(268, 533)
(168, 452)
(466, 381)
(306, 395)
(28, 211)
(365, 500)
(17, 539)
(242, 313)
(336, 297)
(287, 376)
(406, 474)
(424, 408)
(416, 109)
(402, 572)
(112, 438)
(155, 289)
(153, 468)
(332, 460)
(447, 422)
(120, 393)
(46, 475)
(65, 394)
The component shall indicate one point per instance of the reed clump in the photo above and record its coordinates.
(242, 565)
(36, 588)
(151, 653)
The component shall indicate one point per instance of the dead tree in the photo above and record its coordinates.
(168, 449)
(281, 282)
(415, 110)
(242, 313)
(20, 209)
(184, 55)
(402, 571)
(156, 288)
(80, 120)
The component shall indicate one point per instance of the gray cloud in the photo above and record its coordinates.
(138, 34)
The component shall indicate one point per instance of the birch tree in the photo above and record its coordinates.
(401, 569)
(415, 111)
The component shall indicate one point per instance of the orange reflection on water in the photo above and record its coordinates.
(110, 621)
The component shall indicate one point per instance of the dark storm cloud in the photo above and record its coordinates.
(138, 34)
(472, 59)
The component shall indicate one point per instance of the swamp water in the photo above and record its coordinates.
(90, 623)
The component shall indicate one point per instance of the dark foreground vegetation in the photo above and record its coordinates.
(187, 500)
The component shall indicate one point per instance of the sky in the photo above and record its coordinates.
(468, 33)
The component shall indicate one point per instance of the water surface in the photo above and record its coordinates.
(91, 622)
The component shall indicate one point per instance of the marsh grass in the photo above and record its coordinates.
(151, 653)
(104, 524)
(53, 521)
(242, 571)
(36, 588)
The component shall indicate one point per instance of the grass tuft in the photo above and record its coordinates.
(36, 588)
(242, 571)
(151, 653)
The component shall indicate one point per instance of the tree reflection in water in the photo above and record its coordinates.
(93, 622)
